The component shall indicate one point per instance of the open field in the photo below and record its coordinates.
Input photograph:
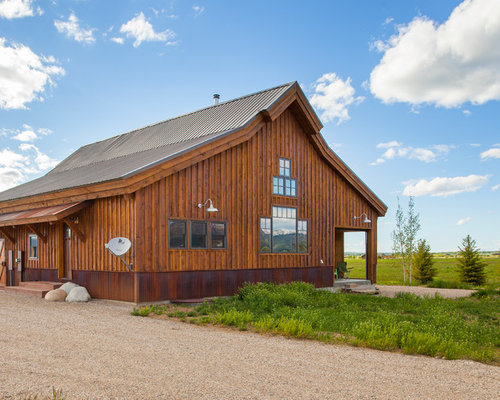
(433, 326)
(389, 271)
(98, 350)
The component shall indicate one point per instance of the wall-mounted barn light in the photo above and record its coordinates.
(366, 220)
(210, 207)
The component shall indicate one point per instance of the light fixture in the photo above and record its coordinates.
(366, 220)
(210, 208)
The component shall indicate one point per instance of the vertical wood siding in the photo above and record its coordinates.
(239, 181)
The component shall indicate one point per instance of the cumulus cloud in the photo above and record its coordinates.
(444, 187)
(72, 29)
(444, 64)
(463, 221)
(26, 133)
(16, 167)
(140, 29)
(118, 40)
(333, 96)
(25, 75)
(496, 187)
(11, 9)
(396, 149)
(491, 153)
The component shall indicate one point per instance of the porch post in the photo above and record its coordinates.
(371, 253)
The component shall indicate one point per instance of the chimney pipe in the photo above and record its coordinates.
(216, 99)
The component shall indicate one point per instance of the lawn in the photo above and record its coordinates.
(463, 328)
(389, 271)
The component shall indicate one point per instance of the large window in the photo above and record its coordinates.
(200, 233)
(33, 247)
(177, 234)
(283, 233)
(283, 184)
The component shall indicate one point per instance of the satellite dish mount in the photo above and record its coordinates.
(118, 247)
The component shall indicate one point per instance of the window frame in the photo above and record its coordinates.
(225, 235)
(284, 182)
(186, 235)
(297, 220)
(191, 234)
(37, 247)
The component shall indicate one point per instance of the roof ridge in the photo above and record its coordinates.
(192, 112)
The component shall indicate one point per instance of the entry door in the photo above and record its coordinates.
(67, 252)
(3, 264)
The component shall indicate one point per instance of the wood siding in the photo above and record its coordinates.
(239, 181)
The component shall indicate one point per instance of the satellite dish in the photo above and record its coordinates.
(119, 246)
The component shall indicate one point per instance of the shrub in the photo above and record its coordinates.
(424, 271)
(470, 266)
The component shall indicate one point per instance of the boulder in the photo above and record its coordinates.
(78, 294)
(56, 295)
(68, 287)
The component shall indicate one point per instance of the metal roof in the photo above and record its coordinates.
(126, 154)
(45, 214)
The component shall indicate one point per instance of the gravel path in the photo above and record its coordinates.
(391, 291)
(98, 351)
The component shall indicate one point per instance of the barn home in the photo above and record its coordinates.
(245, 190)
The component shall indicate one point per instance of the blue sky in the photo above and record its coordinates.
(408, 91)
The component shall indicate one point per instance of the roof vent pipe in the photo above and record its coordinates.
(216, 99)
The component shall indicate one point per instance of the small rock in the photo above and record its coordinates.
(56, 295)
(68, 286)
(78, 294)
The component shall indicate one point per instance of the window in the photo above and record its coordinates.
(265, 235)
(177, 234)
(217, 235)
(199, 235)
(302, 236)
(283, 185)
(33, 247)
(283, 233)
(284, 230)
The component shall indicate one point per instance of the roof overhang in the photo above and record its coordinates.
(44, 214)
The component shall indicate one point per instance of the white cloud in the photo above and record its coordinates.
(475, 144)
(491, 153)
(467, 113)
(333, 96)
(496, 187)
(388, 20)
(10, 177)
(396, 149)
(141, 30)
(118, 40)
(463, 221)
(26, 133)
(444, 187)
(25, 75)
(73, 30)
(11, 9)
(446, 65)
(198, 10)
(387, 145)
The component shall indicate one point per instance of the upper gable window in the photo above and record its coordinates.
(283, 185)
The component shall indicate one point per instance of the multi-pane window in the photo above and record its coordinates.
(265, 235)
(217, 235)
(200, 233)
(302, 236)
(177, 234)
(283, 233)
(283, 184)
(33, 247)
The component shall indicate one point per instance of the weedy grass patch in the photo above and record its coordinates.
(463, 328)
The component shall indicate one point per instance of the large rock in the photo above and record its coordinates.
(56, 295)
(68, 287)
(78, 294)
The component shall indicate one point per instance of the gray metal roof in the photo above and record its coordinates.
(126, 154)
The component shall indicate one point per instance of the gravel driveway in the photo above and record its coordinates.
(98, 351)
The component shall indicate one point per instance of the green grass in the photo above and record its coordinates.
(389, 271)
(463, 328)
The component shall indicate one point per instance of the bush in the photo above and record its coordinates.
(469, 263)
(424, 271)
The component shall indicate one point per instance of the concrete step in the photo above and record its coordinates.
(339, 283)
(27, 291)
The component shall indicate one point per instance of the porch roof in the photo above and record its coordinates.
(44, 214)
